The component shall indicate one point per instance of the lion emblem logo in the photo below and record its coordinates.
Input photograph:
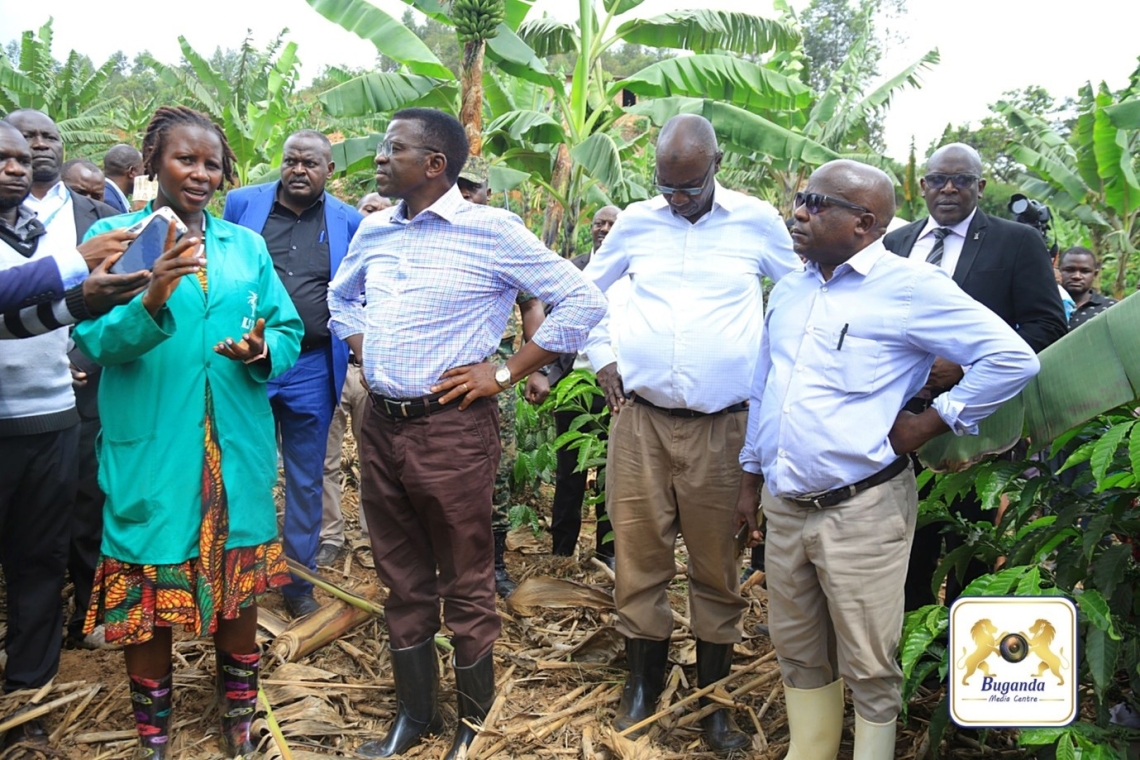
(985, 636)
(1040, 644)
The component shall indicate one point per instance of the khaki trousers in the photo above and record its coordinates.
(835, 591)
(354, 403)
(667, 475)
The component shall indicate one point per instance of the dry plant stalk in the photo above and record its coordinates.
(700, 693)
(309, 634)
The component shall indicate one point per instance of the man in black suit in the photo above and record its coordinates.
(69, 215)
(1002, 264)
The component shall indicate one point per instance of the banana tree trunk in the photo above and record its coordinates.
(560, 181)
(471, 94)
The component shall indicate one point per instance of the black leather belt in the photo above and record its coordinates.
(407, 409)
(689, 413)
(840, 495)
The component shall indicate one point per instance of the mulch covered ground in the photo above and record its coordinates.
(559, 663)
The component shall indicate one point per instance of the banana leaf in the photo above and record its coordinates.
(1091, 370)
(702, 30)
(719, 77)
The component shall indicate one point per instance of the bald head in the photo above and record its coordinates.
(687, 160)
(684, 136)
(847, 207)
(601, 224)
(83, 177)
(953, 183)
(863, 185)
(959, 153)
(372, 203)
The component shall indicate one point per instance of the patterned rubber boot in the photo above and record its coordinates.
(237, 696)
(150, 699)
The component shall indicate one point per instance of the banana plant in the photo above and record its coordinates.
(256, 110)
(71, 93)
(785, 131)
(1092, 174)
(476, 21)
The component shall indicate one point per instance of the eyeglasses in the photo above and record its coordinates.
(386, 148)
(813, 202)
(961, 181)
(692, 192)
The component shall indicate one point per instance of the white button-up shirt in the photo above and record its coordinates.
(57, 214)
(840, 357)
(691, 326)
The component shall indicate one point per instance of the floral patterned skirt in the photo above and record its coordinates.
(132, 599)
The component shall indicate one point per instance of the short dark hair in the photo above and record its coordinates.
(443, 132)
(311, 134)
(74, 162)
(120, 159)
(1078, 250)
(167, 117)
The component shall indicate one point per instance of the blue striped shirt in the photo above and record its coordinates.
(435, 292)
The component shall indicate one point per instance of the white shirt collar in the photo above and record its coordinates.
(958, 229)
(722, 196)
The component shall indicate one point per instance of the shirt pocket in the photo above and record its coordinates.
(851, 363)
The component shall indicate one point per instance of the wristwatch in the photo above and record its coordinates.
(503, 377)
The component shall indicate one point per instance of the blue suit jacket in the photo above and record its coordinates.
(30, 283)
(111, 197)
(250, 207)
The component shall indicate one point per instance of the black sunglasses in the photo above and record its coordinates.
(813, 202)
(961, 181)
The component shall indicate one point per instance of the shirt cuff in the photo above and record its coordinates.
(950, 411)
(72, 267)
(752, 467)
(600, 356)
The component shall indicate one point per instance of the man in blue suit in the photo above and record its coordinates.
(307, 232)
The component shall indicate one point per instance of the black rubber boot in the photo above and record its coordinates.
(236, 684)
(504, 586)
(475, 691)
(151, 701)
(713, 663)
(416, 673)
(647, 660)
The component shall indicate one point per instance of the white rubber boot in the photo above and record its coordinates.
(815, 721)
(874, 741)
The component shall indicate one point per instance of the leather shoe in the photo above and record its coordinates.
(327, 555)
(300, 606)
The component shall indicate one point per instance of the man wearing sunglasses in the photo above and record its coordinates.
(695, 255)
(1003, 265)
(847, 341)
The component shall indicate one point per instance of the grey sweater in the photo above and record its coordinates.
(35, 382)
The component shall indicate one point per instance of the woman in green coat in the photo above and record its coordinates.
(187, 456)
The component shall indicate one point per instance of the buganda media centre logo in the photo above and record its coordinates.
(1013, 661)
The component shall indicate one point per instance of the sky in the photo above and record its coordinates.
(987, 46)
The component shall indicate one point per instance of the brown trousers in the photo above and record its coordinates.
(835, 591)
(427, 495)
(668, 474)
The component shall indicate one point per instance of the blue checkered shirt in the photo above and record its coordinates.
(435, 292)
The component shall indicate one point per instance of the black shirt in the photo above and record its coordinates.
(1095, 305)
(299, 247)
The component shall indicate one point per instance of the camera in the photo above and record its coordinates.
(1033, 213)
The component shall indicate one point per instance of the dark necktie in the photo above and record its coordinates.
(935, 255)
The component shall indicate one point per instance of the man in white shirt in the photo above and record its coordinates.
(695, 256)
(848, 340)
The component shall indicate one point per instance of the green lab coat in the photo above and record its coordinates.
(152, 401)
